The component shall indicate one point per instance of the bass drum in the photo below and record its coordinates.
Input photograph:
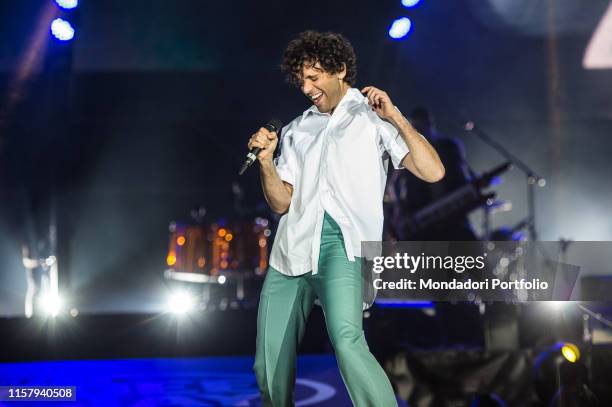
(219, 248)
(241, 246)
(222, 264)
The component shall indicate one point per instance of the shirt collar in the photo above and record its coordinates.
(351, 97)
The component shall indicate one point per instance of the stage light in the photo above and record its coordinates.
(180, 240)
(221, 279)
(557, 305)
(49, 261)
(400, 28)
(570, 352)
(558, 372)
(67, 4)
(62, 30)
(393, 303)
(171, 259)
(410, 3)
(181, 302)
(50, 304)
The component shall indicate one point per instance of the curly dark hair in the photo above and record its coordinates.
(330, 50)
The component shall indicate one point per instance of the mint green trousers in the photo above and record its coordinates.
(284, 307)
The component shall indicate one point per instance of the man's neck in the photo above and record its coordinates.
(344, 89)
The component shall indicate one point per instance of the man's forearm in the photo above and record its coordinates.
(423, 157)
(276, 192)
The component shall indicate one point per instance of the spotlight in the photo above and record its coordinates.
(400, 28)
(181, 302)
(171, 259)
(559, 372)
(50, 260)
(390, 303)
(62, 30)
(50, 305)
(570, 352)
(410, 3)
(67, 4)
(557, 305)
(221, 279)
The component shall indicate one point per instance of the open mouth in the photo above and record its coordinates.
(317, 97)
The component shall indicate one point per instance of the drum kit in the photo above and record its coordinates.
(227, 260)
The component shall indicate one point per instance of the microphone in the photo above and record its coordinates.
(273, 125)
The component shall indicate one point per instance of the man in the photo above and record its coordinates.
(408, 195)
(328, 183)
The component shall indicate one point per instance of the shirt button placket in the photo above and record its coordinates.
(322, 187)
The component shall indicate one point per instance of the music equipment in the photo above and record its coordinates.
(458, 202)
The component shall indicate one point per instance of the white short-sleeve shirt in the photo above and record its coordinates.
(336, 164)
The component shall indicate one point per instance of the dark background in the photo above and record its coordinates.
(148, 111)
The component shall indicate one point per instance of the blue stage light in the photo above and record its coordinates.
(400, 28)
(67, 4)
(62, 30)
(389, 303)
(410, 3)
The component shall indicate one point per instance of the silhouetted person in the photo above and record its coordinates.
(407, 194)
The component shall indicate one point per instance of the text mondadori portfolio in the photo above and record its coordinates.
(403, 262)
(486, 284)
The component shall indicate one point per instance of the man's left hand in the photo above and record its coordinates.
(380, 102)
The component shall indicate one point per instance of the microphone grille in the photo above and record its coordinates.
(274, 125)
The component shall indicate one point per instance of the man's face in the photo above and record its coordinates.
(323, 89)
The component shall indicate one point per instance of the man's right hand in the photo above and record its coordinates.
(267, 141)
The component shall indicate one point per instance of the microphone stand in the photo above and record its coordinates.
(531, 176)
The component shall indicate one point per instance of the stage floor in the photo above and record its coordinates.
(211, 381)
